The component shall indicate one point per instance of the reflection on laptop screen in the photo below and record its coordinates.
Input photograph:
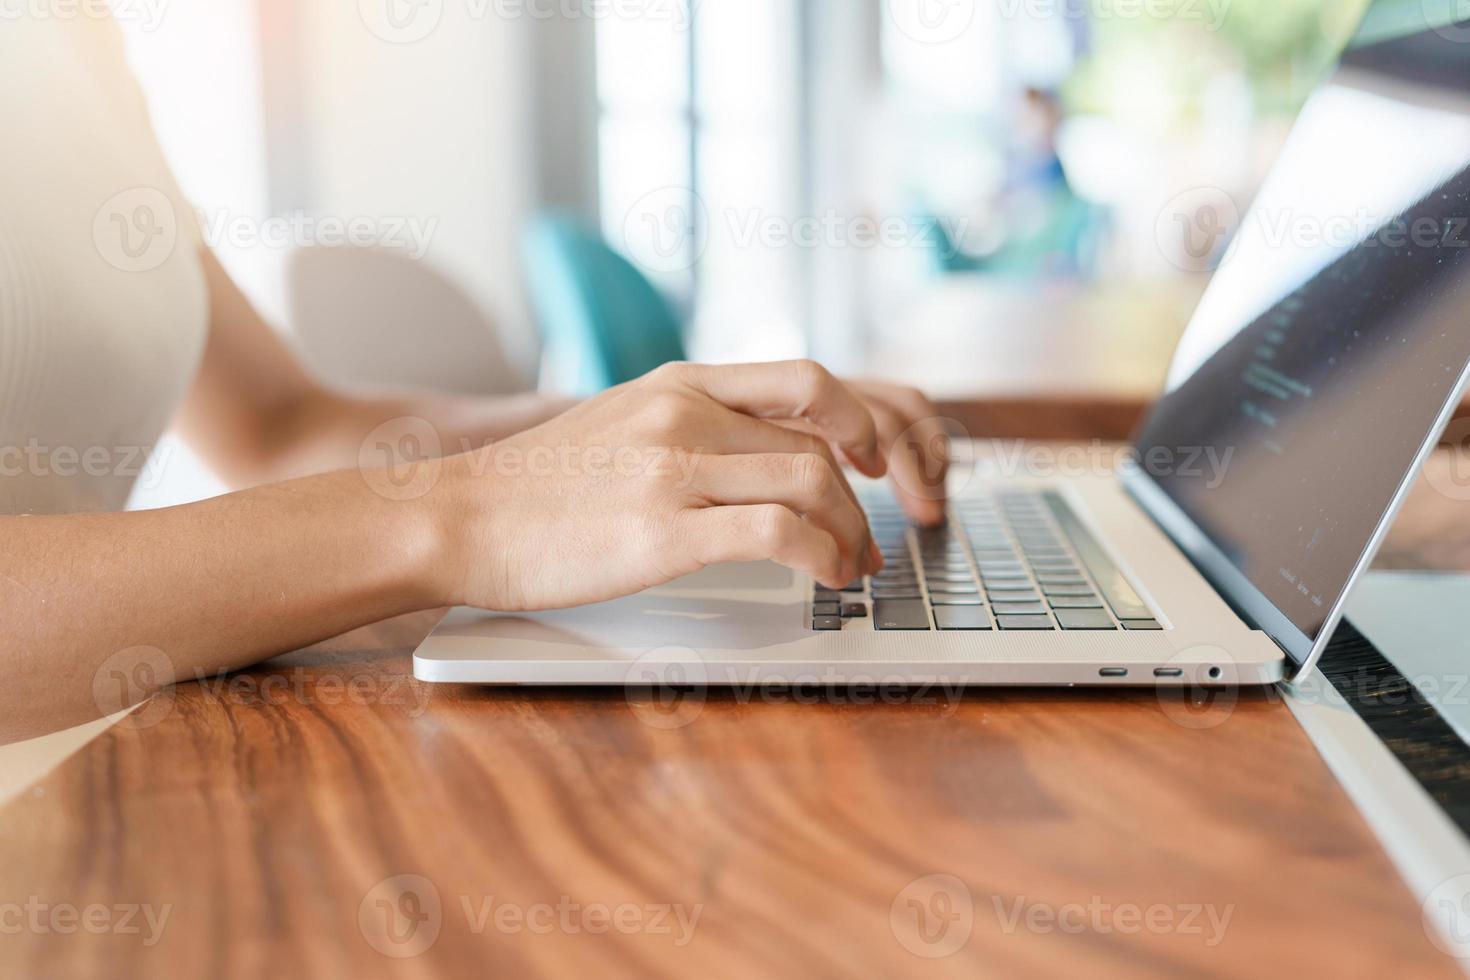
(1337, 326)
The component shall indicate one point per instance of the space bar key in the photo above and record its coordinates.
(900, 614)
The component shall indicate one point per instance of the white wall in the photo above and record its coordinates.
(438, 128)
(199, 70)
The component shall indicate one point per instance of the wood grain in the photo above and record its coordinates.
(265, 813)
(1059, 417)
(1062, 415)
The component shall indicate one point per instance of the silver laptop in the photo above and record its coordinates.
(1323, 363)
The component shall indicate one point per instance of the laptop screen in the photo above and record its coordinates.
(1335, 330)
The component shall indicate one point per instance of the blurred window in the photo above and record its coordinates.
(701, 164)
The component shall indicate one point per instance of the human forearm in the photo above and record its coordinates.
(257, 416)
(325, 431)
(212, 586)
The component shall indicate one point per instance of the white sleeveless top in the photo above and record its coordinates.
(103, 306)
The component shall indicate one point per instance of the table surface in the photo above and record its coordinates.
(560, 833)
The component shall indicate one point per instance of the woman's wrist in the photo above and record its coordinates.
(457, 512)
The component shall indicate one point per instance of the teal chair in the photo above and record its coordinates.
(1065, 244)
(594, 306)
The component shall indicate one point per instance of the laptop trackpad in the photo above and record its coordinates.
(734, 607)
(760, 576)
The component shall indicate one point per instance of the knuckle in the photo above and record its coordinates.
(813, 476)
(663, 411)
(668, 371)
(773, 526)
(817, 446)
(811, 377)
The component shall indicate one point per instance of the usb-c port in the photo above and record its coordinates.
(1168, 672)
(1113, 672)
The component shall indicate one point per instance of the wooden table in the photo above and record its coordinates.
(559, 833)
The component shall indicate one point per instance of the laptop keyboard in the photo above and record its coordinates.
(1017, 560)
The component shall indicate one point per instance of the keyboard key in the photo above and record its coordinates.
(1015, 576)
(895, 581)
(1019, 609)
(1000, 567)
(900, 592)
(954, 589)
(962, 618)
(957, 600)
(1046, 579)
(1072, 591)
(825, 595)
(1115, 588)
(1141, 624)
(1057, 566)
(1076, 602)
(855, 586)
(1084, 619)
(826, 624)
(1024, 622)
(826, 609)
(900, 614)
(1015, 595)
(855, 610)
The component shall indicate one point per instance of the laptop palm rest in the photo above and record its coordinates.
(746, 606)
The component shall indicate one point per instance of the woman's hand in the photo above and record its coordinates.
(915, 444)
(686, 467)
